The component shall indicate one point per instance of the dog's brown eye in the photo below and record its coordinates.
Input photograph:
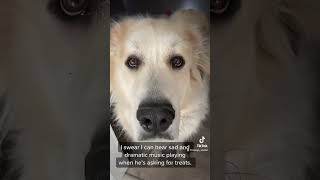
(133, 62)
(220, 6)
(177, 62)
(73, 7)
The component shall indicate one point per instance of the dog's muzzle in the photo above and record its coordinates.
(155, 117)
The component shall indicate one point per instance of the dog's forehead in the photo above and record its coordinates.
(153, 34)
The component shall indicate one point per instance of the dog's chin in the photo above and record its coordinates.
(164, 137)
(157, 140)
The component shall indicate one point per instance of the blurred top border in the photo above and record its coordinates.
(119, 8)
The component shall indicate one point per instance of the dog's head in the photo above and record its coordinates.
(160, 74)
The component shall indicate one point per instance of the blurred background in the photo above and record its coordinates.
(55, 67)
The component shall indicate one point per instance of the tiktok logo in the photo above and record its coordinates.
(201, 140)
(202, 146)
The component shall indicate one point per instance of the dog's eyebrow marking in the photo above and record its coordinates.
(175, 43)
(134, 44)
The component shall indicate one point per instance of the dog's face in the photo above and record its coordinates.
(159, 75)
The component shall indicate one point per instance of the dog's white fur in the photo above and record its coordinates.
(154, 40)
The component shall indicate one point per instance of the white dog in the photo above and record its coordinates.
(160, 75)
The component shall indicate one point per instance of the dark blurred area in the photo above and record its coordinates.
(165, 7)
(54, 89)
(54, 72)
(266, 75)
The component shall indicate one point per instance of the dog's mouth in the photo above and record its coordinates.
(156, 137)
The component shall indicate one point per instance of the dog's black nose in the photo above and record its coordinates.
(155, 117)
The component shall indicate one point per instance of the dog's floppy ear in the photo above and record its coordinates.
(116, 32)
(193, 17)
(117, 35)
(197, 30)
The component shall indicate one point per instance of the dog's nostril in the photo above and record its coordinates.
(163, 121)
(146, 123)
(164, 124)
